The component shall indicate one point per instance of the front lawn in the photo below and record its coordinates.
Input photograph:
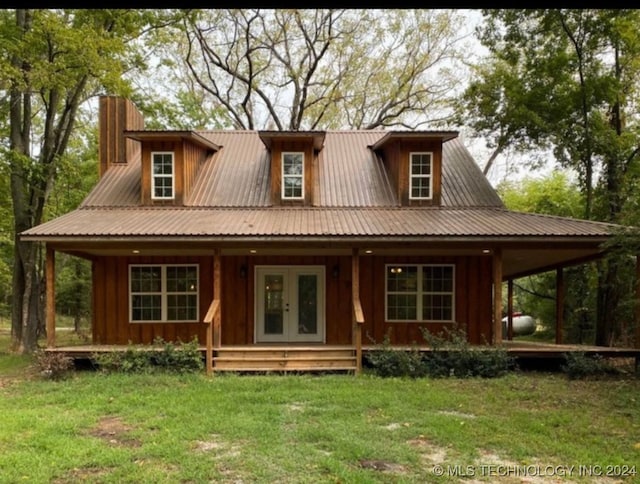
(190, 428)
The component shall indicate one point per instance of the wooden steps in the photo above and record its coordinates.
(285, 359)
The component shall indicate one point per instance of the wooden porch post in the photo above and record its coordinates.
(358, 316)
(559, 304)
(50, 289)
(497, 296)
(212, 319)
(510, 309)
(217, 318)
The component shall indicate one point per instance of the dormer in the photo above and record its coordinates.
(293, 155)
(170, 161)
(413, 160)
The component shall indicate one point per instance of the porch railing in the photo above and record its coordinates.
(212, 320)
(358, 321)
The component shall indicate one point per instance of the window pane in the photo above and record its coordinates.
(437, 279)
(182, 279)
(437, 307)
(402, 307)
(292, 187)
(182, 307)
(420, 187)
(402, 279)
(146, 279)
(307, 304)
(162, 164)
(146, 307)
(292, 163)
(421, 164)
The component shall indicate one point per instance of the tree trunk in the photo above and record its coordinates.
(26, 290)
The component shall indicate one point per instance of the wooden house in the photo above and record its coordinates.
(311, 244)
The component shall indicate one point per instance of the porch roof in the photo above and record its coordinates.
(278, 223)
(529, 242)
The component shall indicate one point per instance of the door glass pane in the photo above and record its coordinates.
(273, 307)
(307, 304)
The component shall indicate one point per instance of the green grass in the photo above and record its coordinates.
(162, 428)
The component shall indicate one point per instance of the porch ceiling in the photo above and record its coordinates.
(518, 259)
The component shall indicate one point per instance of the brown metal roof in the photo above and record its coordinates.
(349, 174)
(314, 224)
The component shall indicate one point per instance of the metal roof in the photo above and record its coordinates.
(313, 223)
(349, 174)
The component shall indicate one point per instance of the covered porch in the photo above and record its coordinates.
(491, 262)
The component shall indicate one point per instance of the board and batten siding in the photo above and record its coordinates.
(111, 325)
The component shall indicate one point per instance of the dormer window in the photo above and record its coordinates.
(292, 175)
(162, 178)
(421, 176)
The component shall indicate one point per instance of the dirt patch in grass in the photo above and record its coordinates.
(217, 446)
(430, 453)
(115, 432)
(382, 466)
(83, 474)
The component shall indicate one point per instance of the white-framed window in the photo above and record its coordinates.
(420, 292)
(292, 175)
(160, 293)
(420, 176)
(162, 175)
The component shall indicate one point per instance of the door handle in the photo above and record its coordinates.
(286, 307)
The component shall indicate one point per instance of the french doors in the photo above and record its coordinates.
(290, 304)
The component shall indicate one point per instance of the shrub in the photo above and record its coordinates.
(161, 356)
(452, 355)
(53, 366)
(579, 365)
(132, 360)
(386, 361)
(178, 358)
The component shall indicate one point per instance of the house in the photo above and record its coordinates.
(303, 244)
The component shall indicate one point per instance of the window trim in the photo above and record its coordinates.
(283, 175)
(419, 294)
(163, 294)
(412, 176)
(172, 176)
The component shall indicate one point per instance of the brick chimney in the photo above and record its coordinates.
(117, 115)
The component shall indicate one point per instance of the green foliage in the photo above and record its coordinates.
(181, 358)
(53, 366)
(579, 365)
(452, 355)
(554, 194)
(160, 357)
(133, 359)
(449, 355)
(386, 361)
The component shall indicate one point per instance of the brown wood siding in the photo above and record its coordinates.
(277, 148)
(473, 304)
(396, 159)
(117, 115)
(194, 157)
(111, 323)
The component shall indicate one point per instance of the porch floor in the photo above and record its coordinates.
(319, 357)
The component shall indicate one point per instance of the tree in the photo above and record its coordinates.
(567, 80)
(319, 69)
(554, 194)
(52, 62)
